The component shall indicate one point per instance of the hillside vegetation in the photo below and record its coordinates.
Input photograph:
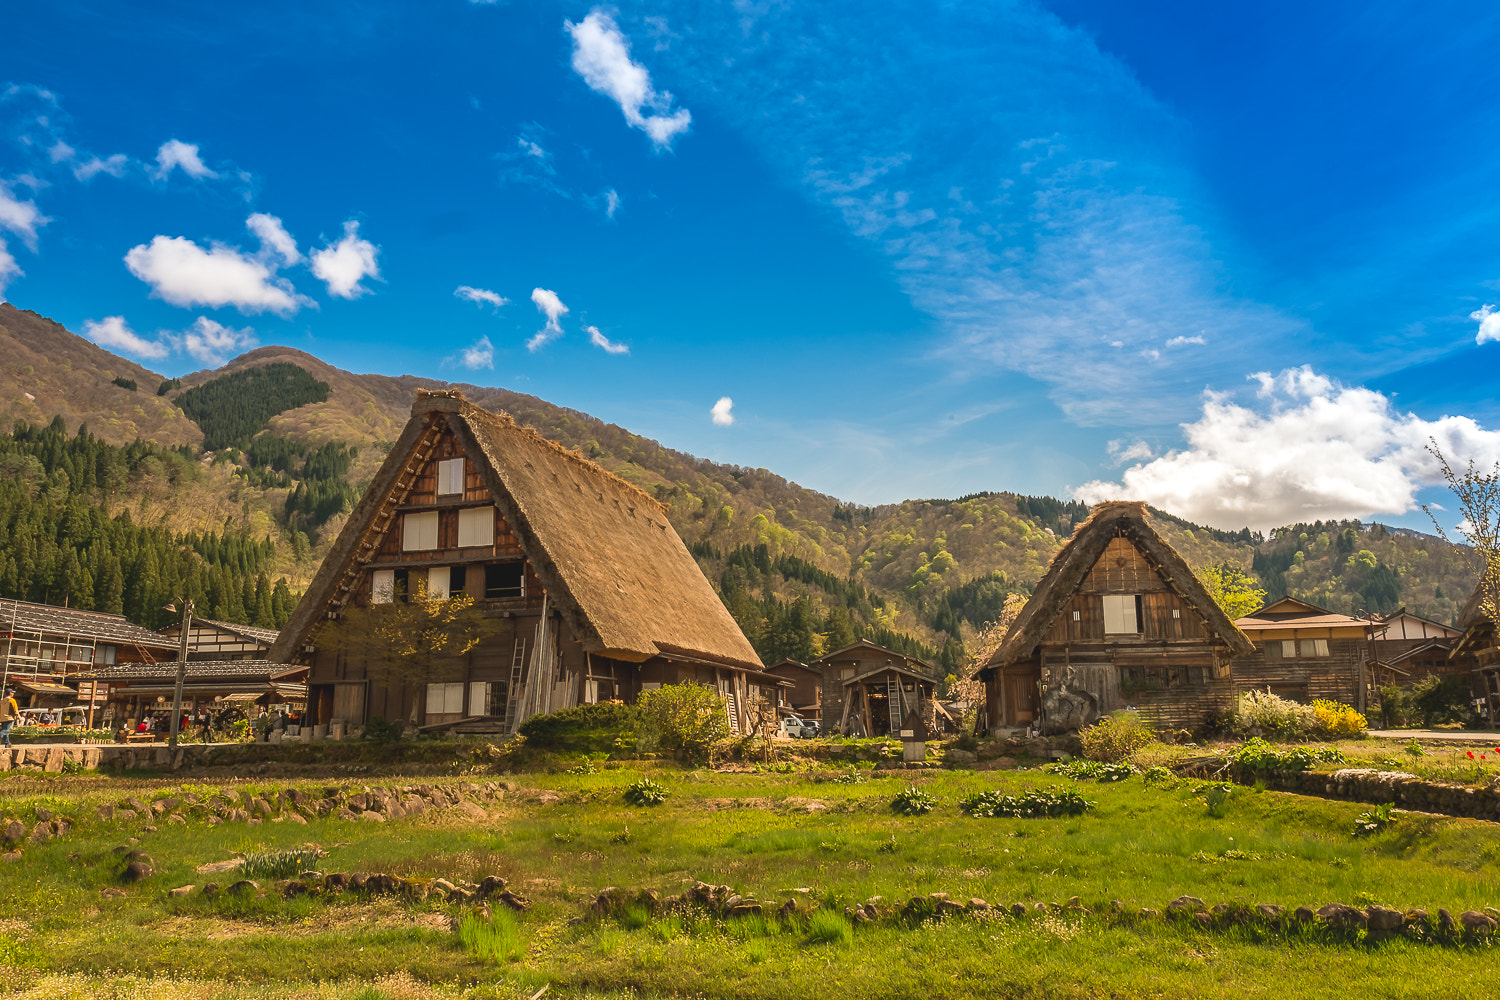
(801, 571)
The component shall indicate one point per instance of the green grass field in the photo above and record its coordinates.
(560, 838)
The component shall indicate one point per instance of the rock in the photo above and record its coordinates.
(1343, 917)
(1304, 915)
(471, 810)
(125, 814)
(1475, 923)
(15, 832)
(112, 893)
(237, 816)
(41, 832)
(345, 814)
(1203, 920)
(261, 806)
(1381, 918)
(135, 871)
(1270, 910)
(181, 890)
(957, 756)
(1147, 913)
(1445, 921)
(292, 888)
(513, 901)
(106, 812)
(947, 907)
(158, 807)
(746, 909)
(335, 882)
(44, 815)
(176, 818)
(372, 817)
(384, 885)
(243, 887)
(490, 885)
(137, 805)
(978, 905)
(442, 885)
(1190, 904)
(1018, 909)
(1416, 918)
(214, 821)
(11, 856)
(211, 890)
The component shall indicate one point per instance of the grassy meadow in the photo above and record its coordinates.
(826, 838)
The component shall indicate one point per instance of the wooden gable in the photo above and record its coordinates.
(1123, 569)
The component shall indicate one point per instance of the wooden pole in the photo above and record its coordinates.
(182, 654)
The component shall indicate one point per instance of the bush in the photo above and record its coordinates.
(1438, 701)
(686, 717)
(1079, 769)
(378, 730)
(646, 792)
(1116, 738)
(1031, 804)
(1374, 821)
(1395, 706)
(582, 729)
(1337, 721)
(912, 801)
(1263, 758)
(1265, 713)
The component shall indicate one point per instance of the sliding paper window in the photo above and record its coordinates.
(450, 477)
(1120, 616)
(476, 526)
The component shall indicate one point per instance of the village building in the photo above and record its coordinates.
(213, 640)
(46, 646)
(584, 590)
(1407, 648)
(1118, 621)
(1304, 652)
(1479, 649)
(801, 692)
(137, 690)
(869, 690)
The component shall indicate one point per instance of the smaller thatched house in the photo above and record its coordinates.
(581, 590)
(1119, 620)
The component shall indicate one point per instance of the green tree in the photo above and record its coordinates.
(1236, 592)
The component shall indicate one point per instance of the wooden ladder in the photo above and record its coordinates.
(893, 696)
(512, 702)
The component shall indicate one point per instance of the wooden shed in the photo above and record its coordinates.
(868, 688)
(588, 593)
(1118, 621)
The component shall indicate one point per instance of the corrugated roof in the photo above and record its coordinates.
(89, 625)
(604, 551)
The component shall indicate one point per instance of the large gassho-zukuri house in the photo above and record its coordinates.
(1119, 620)
(586, 591)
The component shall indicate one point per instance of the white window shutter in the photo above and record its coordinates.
(476, 526)
(382, 586)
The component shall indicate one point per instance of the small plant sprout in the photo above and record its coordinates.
(912, 801)
(1216, 798)
(646, 792)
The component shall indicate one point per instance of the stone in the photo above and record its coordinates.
(1446, 923)
(517, 903)
(1203, 920)
(14, 832)
(211, 890)
(372, 817)
(471, 810)
(43, 814)
(957, 756)
(746, 909)
(106, 812)
(1191, 904)
(442, 885)
(125, 814)
(1382, 918)
(177, 818)
(1343, 917)
(1304, 915)
(135, 871)
(261, 806)
(1475, 923)
(41, 832)
(1148, 912)
(335, 882)
(158, 807)
(1270, 910)
(112, 893)
(978, 905)
(490, 885)
(181, 890)
(243, 887)
(11, 856)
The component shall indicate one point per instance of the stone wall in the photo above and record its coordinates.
(1373, 787)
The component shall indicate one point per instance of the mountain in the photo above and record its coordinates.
(935, 570)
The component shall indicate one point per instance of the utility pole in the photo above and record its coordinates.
(182, 646)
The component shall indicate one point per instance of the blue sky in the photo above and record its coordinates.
(1234, 261)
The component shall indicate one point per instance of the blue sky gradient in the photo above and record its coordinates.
(925, 249)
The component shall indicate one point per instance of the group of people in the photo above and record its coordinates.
(204, 722)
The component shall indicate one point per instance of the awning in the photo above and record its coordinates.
(47, 688)
(241, 696)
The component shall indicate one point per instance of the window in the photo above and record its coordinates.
(419, 531)
(1314, 647)
(438, 580)
(1121, 615)
(1281, 649)
(450, 477)
(445, 699)
(503, 580)
(106, 654)
(476, 526)
(458, 581)
(382, 586)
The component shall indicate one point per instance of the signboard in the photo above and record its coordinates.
(92, 691)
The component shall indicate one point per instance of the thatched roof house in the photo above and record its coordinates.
(1479, 646)
(1118, 620)
(595, 593)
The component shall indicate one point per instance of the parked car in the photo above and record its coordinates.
(796, 728)
(75, 715)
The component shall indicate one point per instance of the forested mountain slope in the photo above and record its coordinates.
(296, 440)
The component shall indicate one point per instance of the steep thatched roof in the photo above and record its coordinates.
(1071, 566)
(609, 560)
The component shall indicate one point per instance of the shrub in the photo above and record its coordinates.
(1441, 700)
(1263, 758)
(1395, 706)
(1116, 738)
(124, 383)
(686, 717)
(1158, 775)
(1265, 713)
(1031, 804)
(1336, 721)
(645, 792)
(912, 801)
(1374, 821)
(1079, 769)
(1216, 798)
(582, 729)
(378, 730)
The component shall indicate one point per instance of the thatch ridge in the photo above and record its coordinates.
(1077, 557)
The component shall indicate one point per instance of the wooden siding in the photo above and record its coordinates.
(1123, 569)
(1335, 676)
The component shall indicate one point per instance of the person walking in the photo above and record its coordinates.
(9, 713)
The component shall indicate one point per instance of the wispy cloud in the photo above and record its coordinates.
(611, 203)
(9, 269)
(552, 307)
(175, 154)
(275, 241)
(480, 354)
(480, 296)
(602, 342)
(1313, 448)
(1180, 341)
(22, 218)
(342, 266)
(723, 412)
(113, 334)
(601, 55)
(211, 344)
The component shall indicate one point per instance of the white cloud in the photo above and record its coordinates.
(1121, 453)
(9, 269)
(1489, 324)
(480, 296)
(344, 264)
(1184, 341)
(275, 242)
(611, 202)
(212, 343)
(22, 218)
(113, 165)
(480, 354)
(61, 152)
(529, 147)
(601, 55)
(113, 334)
(722, 412)
(184, 274)
(551, 306)
(183, 156)
(1313, 449)
(599, 340)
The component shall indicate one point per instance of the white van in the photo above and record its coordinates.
(73, 715)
